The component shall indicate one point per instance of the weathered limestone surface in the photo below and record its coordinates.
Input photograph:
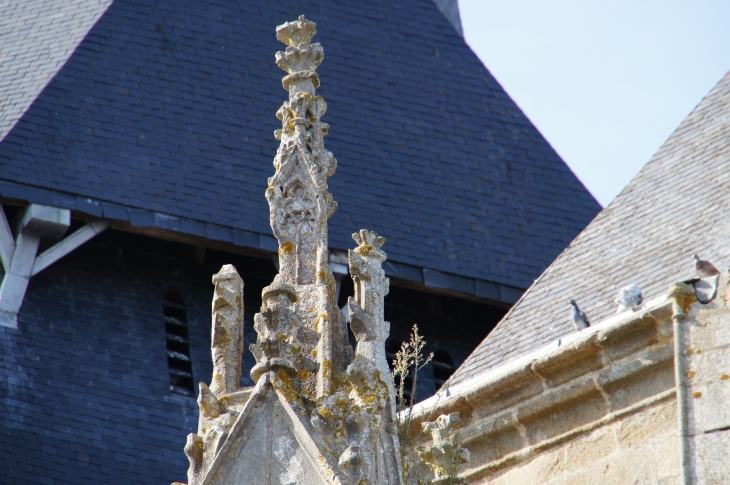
(319, 413)
(445, 454)
(639, 449)
(603, 406)
(705, 375)
(221, 402)
(564, 415)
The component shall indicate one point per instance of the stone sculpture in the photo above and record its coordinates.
(445, 454)
(319, 413)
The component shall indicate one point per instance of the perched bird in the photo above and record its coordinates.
(704, 268)
(629, 297)
(579, 319)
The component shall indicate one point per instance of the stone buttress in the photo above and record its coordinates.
(319, 412)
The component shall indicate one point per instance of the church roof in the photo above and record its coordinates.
(38, 38)
(450, 9)
(676, 206)
(164, 114)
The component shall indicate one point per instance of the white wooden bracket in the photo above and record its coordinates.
(19, 255)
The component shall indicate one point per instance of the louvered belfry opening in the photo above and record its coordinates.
(443, 367)
(178, 345)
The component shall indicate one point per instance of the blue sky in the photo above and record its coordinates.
(605, 82)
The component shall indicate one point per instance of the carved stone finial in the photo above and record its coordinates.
(194, 452)
(227, 351)
(296, 33)
(366, 307)
(227, 338)
(299, 206)
(312, 396)
(445, 454)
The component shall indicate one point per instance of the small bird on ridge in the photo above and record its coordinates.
(704, 268)
(629, 297)
(579, 319)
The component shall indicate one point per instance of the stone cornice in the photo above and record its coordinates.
(569, 387)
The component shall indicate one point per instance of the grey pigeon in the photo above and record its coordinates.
(704, 268)
(579, 319)
(629, 297)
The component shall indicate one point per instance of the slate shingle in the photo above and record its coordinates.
(170, 106)
(675, 207)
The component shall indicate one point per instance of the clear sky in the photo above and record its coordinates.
(606, 82)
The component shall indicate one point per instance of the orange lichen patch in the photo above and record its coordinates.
(685, 301)
(314, 353)
(326, 369)
(322, 275)
(225, 401)
(699, 351)
(286, 247)
(326, 413)
(365, 250)
(690, 374)
(303, 374)
(724, 377)
(690, 351)
(697, 395)
(282, 382)
(218, 377)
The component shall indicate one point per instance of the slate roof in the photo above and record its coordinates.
(676, 206)
(450, 9)
(36, 39)
(164, 116)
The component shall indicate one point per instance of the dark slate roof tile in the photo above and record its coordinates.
(169, 108)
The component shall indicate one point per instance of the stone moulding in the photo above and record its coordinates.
(561, 392)
(446, 453)
(622, 370)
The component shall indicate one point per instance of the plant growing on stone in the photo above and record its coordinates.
(444, 454)
(409, 359)
(456, 455)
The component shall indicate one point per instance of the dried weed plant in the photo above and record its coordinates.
(408, 361)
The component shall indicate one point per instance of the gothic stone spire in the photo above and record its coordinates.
(319, 413)
(299, 206)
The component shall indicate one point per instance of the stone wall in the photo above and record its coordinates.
(638, 448)
(598, 407)
(704, 370)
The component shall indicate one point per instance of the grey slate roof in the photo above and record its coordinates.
(36, 38)
(164, 116)
(676, 206)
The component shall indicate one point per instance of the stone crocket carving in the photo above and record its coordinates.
(366, 308)
(227, 349)
(445, 454)
(353, 419)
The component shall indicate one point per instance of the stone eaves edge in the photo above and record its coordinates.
(159, 222)
(494, 380)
